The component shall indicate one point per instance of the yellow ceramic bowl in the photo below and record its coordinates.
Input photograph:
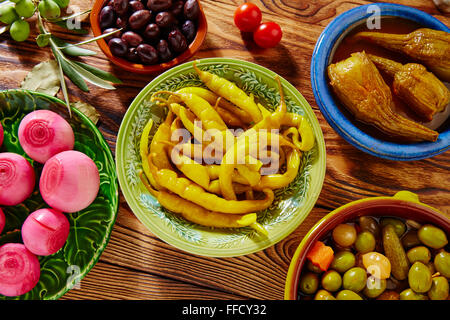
(404, 205)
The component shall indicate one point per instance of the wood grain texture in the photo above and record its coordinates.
(138, 265)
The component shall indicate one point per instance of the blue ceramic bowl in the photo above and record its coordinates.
(322, 56)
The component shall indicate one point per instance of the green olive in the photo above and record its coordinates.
(398, 225)
(410, 239)
(409, 294)
(49, 9)
(365, 242)
(432, 236)
(439, 289)
(370, 224)
(331, 281)
(25, 8)
(348, 295)
(8, 14)
(420, 253)
(344, 235)
(343, 260)
(20, 30)
(419, 277)
(374, 287)
(311, 267)
(442, 263)
(309, 283)
(354, 279)
(413, 224)
(323, 295)
(431, 266)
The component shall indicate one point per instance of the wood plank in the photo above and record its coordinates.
(110, 282)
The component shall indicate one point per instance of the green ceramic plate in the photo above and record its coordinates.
(90, 229)
(292, 204)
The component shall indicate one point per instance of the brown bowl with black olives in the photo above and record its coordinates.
(148, 36)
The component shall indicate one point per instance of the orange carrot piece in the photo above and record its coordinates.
(321, 255)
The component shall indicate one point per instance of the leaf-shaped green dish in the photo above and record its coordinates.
(91, 228)
(292, 204)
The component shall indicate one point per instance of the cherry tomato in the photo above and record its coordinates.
(268, 35)
(247, 17)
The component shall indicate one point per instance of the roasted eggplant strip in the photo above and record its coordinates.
(421, 90)
(431, 47)
(361, 88)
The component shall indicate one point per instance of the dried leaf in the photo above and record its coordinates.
(88, 110)
(43, 78)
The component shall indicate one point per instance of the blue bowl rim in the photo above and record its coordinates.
(326, 101)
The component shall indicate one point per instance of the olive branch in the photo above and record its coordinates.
(78, 72)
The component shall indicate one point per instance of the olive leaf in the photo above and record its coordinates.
(74, 51)
(91, 40)
(90, 77)
(69, 71)
(99, 73)
(43, 78)
(64, 88)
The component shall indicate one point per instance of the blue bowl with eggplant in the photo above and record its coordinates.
(380, 74)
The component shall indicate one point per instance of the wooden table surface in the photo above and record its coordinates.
(138, 265)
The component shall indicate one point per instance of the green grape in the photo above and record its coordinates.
(8, 14)
(20, 30)
(25, 8)
(49, 9)
(62, 3)
(15, 1)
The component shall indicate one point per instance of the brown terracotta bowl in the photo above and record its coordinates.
(404, 205)
(141, 68)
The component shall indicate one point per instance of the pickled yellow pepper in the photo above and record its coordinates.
(241, 148)
(189, 167)
(162, 134)
(230, 91)
(190, 191)
(188, 120)
(212, 98)
(278, 181)
(304, 140)
(199, 106)
(143, 151)
(197, 214)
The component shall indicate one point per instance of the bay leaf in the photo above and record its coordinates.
(43, 78)
(88, 110)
